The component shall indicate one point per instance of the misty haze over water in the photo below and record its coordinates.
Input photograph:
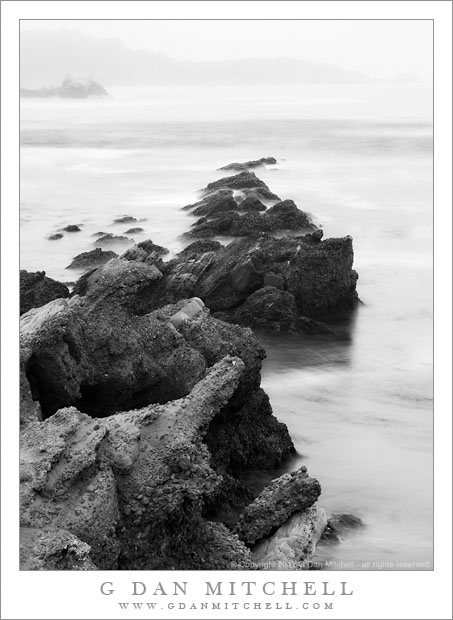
(358, 156)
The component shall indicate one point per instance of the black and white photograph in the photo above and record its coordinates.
(225, 364)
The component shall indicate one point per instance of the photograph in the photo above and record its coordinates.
(226, 272)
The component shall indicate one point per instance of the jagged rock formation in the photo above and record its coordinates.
(108, 239)
(266, 283)
(36, 290)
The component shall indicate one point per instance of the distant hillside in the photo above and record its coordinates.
(47, 56)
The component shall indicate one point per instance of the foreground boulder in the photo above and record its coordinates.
(131, 486)
(36, 290)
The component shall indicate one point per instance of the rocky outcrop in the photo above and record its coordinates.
(72, 228)
(36, 290)
(71, 88)
(126, 219)
(255, 163)
(89, 260)
(282, 498)
(55, 236)
(134, 231)
(263, 282)
(340, 525)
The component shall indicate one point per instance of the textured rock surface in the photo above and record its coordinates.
(131, 486)
(293, 544)
(108, 239)
(276, 503)
(242, 181)
(93, 258)
(36, 290)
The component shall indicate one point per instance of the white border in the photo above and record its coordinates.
(376, 594)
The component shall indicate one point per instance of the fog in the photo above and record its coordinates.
(130, 52)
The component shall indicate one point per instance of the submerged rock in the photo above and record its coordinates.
(55, 236)
(93, 258)
(36, 290)
(134, 231)
(340, 525)
(72, 228)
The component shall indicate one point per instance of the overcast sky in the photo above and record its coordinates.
(379, 48)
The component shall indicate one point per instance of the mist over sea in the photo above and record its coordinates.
(359, 158)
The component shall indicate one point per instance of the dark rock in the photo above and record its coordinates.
(134, 231)
(72, 228)
(250, 164)
(200, 247)
(127, 219)
(340, 525)
(99, 234)
(276, 503)
(317, 235)
(109, 238)
(251, 204)
(282, 216)
(91, 259)
(243, 180)
(146, 252)
(55, 236)
(262, 193)
(213, 204)
(318, 275)
(36, 290)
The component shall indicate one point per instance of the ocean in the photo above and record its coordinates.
(358, 404)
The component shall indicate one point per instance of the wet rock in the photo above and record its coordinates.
(278, 501)
(134, 231)
(126, 219)
(243, 180)
(55, 236)
(71, 228)
(146, 252)
(36, 290)
(218, 202)
(293, 544)
(109, 238)
(99, 234)
(255, 163)
(251, 204)
(282, 216)
(93, 258)
(339, 526)
(200, 247)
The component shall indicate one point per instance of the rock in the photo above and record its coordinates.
(91, 259)
(36, 290)
(134, 231)
(213, 204)
(261, 193)
(293, 544)
(250, 164)
(146, 252)
(318, 276)
(85, 479)
(339, 526)
(109, 238)
(72, 228)
(55, 236)
(317, 234)
(127, 219)
(278, 501)
(243, 180)
(251, 204)
(282, 216)
(71, 88)
(99, 234)
(200, 247)
(42, 549)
